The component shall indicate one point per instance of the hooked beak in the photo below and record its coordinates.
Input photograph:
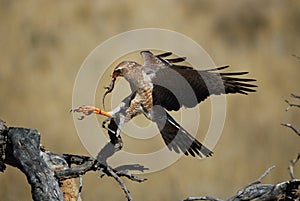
(116, 74)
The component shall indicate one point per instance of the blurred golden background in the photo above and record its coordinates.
(43, 44)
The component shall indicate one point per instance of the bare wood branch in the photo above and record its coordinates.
(262, 192)
(110, 172)
(295, 96)
(3, 140)
(80, 188)
(291, 127)
(202, 198)
(130, 176)
(86, 164)
(291, 105)
(291, 166)
(23, 151)
(254, 189)
(288, 190)
(258, 181)
(45, 171)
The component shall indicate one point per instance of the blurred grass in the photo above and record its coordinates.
(44, 43)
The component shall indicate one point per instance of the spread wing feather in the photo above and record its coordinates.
(175, 85)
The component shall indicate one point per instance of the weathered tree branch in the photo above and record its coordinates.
(3, 139)
(291, 127)
(22, 150)
(46, 172)
(288, 190)
(295, 95)
(292, 104)
(202, 198)
(289, 106)
(292, 164)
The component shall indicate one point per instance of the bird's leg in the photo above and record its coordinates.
(113, 146)
(88, 110)
(105, 127)
(116, 131)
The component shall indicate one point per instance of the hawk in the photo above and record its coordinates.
(161, 84)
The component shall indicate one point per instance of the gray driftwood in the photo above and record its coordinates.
(47, 172)
(20, 147)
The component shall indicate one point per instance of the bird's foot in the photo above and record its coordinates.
(88, 110)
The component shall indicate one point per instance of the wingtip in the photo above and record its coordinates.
(200, 155)
(209, 154)
(165, 54)
(205, 152)
(218, 68)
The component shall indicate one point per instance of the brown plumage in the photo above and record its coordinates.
(161, 81)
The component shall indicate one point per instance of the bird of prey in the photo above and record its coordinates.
(161, 84)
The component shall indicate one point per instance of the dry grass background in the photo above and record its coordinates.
(43, 44)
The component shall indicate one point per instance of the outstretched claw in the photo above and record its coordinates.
(88, 110)
(85, 110)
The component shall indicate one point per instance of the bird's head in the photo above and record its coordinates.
(121, 70)
(124, 68)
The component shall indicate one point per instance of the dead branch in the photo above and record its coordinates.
(47, 171)
(202, 198)
(288, 107)
(258, 181)
(295, 96)
(121, 182)
(292, 164)
(21, 150)
(291, 127)
(291, 104)
(287, 190)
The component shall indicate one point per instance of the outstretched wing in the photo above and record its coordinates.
(160, 60)
(175, 85)
(179, 140)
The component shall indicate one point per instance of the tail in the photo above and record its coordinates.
(179, 140)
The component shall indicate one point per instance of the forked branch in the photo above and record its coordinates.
(292, 104)
(46, 171)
